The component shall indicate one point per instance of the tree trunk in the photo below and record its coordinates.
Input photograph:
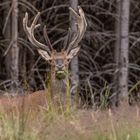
(74, 64)
(7, 35)
(114, 99)
(124, 47)
(15, 48)
(12, 51)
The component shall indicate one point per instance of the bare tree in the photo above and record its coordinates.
(14, 48)
(10, 31)
(114, 99)
(122, 47)
(74, 63)
(7, 35)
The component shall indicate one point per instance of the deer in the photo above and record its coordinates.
(59, 62)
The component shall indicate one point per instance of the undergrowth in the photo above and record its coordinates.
(77, 125)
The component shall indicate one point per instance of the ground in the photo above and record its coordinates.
(122, 123)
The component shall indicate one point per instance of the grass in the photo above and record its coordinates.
(123, 124)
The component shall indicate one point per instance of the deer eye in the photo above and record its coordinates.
(68, 60)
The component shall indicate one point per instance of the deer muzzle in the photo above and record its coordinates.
(61, 74)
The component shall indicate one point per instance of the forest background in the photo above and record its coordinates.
(109, 59)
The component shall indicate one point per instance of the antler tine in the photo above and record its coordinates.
(30, 32)
(81, 25)
(47, 38)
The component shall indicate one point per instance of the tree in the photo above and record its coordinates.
(12, 52)
(74, 62)
(15, 48)
(114, 99)
(122, 47)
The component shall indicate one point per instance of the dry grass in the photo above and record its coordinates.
(121, 124)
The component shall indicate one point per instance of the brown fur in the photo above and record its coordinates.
(22, 103)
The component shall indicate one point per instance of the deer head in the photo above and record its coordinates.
(58, 60)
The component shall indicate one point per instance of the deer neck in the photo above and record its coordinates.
(59, 87)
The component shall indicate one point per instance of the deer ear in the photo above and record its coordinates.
(73, 53)
(44, 55)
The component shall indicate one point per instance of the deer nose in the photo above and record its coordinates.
(60, 66)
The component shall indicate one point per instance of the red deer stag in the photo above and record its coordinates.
(59, 61)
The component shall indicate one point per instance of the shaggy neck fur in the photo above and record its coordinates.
(59, 88)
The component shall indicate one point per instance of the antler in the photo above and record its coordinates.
(81, 25)
(30, 33)
(47, 38)
(46, 50)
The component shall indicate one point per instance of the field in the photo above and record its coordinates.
(81, 124)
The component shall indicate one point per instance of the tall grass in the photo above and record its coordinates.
(79, 125)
